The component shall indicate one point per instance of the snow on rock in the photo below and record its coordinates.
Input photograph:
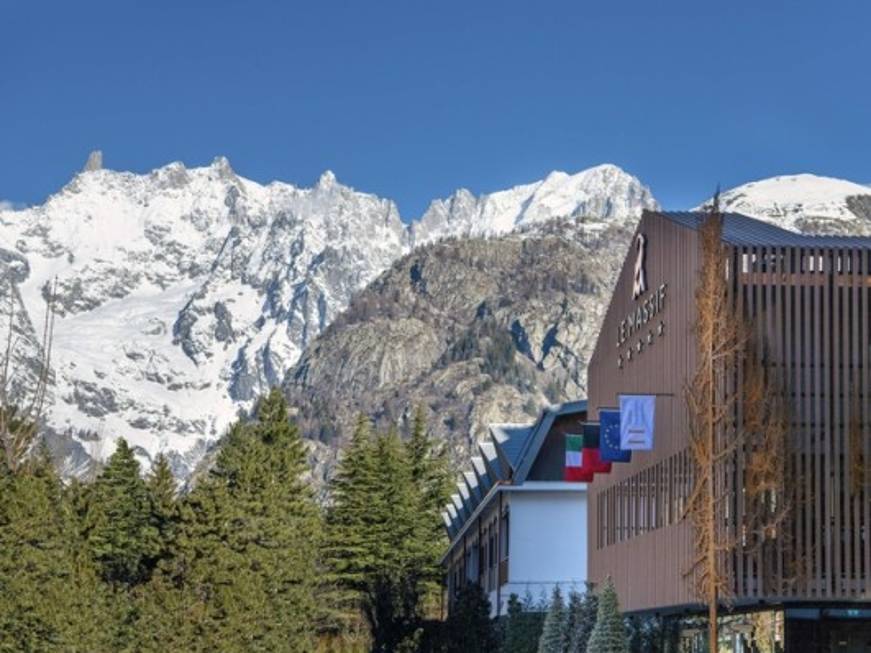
(184, 293)
(181, 295)
(604, 191)
(805, 202)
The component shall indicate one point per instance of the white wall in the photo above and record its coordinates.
(548, 543)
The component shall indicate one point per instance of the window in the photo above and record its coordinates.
(650, 499)
(505, 539)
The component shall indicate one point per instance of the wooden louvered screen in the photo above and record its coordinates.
(811, 313)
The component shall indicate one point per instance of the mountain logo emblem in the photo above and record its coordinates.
(640, 284)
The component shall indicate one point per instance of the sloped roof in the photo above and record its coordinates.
(506, 457)
(739, 229)
(473, 485)
(511, 440)
(539, 433)
(491, 460)
(481, 472)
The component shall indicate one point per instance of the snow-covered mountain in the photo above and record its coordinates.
(604, 191)
(807, 203)
(183, 293)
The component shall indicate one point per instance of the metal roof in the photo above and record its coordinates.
(539, 433)
(739, 229)
(518, 444)
(491, 460)
(511, 439)
(481, 472)
(473, 485)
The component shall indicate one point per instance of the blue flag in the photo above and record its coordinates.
(609, 437)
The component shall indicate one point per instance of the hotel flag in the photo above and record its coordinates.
(637, 414)
(592, 460)
(574, 470)
(609, 437)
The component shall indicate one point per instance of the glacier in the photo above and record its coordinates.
(182, 294)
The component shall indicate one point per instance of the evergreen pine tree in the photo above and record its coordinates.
(162, 492)
(470, 628)
(609, 633)
(384, 537)
(119, 526)
(428, 465)
(554, 635)
(51, 598)
(523, 626)
(394, 589)
(349, 543)
(583, 609)
(245, 573)
(574, 607)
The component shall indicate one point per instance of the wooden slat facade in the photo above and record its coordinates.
(810, 310)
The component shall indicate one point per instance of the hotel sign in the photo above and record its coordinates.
(647, 309)
(648, 306)
(639, 286)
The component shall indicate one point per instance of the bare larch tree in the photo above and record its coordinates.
(738, 439)
(22, 396)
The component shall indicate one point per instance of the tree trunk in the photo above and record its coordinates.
(713, 632)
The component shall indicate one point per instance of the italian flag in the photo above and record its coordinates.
(574, 469)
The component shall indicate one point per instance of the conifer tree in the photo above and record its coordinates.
(470, 627)
(583, 609)
(246, 567)
(554, 635)
(119, 525)
(609, 633)
(523, 626)
(431, 483)
(724, 348)
(393, 591)
(384, 536)
(162, 492)
(51, 598)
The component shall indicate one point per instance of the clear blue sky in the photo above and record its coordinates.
(411, 100)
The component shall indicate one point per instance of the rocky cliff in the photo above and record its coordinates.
(474, 330)
(182, 294)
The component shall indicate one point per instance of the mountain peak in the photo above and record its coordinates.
(803, 202)
(94, 162)
(605, 191)
(221, 165)
(327, 179)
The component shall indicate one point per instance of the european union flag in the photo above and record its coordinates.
(609, 437)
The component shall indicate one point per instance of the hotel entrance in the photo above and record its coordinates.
(828, 631)
(850, 638)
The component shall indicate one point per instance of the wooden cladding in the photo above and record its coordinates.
(652, 498)
(810, 312)
(815, 338)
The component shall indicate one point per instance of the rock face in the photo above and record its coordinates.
(94, 162)
(475, 330)
(487, 329)
(605, 192)
(182, 294)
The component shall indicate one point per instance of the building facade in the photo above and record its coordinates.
(515, 526)
(808, 303)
